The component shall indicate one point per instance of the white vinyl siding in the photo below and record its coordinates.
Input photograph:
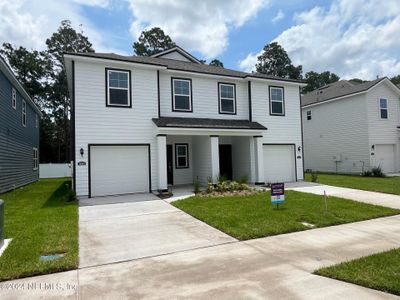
(285, 130)
(95, 124)
(205, 97)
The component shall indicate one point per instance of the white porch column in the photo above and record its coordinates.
(162, 162)
(214, 144)
(259, 159)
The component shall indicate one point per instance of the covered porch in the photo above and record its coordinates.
(202, 150)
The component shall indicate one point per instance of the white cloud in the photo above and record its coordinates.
(100, 3)
(201, 25)
(30, 23)
(279, 16)
(248, 63)
(353, 38)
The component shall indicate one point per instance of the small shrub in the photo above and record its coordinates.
(210, 187)
(314, 176)
(196, 186)
(244, 180)
(377, 172)
(367, 173)
(221, 178)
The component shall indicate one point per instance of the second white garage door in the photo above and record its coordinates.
(385, 157)
(279, 164)
(118, 170)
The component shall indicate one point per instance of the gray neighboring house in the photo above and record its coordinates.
(19, 133)
(351, 127)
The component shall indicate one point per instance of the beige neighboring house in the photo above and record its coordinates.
(349, 127)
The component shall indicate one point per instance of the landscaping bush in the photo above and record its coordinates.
(367, 173)
(377, 172)
(196, 186)
(314, 176)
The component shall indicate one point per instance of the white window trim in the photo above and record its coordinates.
(14, 98)
(308, 114)
(23, 111)
(380, 108)
(177, 166)
(233, 99)
(279, 101)
(175, 94)
(118, 88)
(35, 158)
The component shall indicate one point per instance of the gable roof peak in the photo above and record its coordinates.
(181, 51)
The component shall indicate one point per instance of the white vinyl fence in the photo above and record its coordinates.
(55, 170)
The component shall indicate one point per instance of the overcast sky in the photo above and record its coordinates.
(353, 38)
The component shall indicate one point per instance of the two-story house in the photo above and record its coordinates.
(143, 123)
(19, 133)
(351, 127)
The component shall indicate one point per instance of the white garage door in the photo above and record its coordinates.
(279, 164)
(118, 170)
(385, 157)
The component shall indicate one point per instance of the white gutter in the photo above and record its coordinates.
(209, 131)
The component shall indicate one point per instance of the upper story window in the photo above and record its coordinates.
(309, 115)
(276, 101)
(36, 121)
(14, 98)
(182, 95)
(227, 98)
(181, 156)
(23, 113)
(383, 108)
(35, 159)
(118, 88)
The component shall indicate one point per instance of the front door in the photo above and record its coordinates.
(225, 161)
(170, 170)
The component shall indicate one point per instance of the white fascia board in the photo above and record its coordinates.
(113, 61)
(273, 81)
(208, 131)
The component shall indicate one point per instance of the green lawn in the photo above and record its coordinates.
(40, 220)
(389, 185)
(247, 217)
(379, 271)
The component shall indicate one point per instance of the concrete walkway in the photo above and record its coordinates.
(382, 199)
(278, 267)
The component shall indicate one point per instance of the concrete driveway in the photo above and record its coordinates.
(124, 231)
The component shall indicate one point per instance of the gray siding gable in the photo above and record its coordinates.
(16, 141)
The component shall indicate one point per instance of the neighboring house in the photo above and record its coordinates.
(19, 133)
(143, 123)
(350, 128)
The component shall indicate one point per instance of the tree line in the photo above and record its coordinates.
(42, 73)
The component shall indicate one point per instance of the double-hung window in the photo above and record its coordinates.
(309, 115)
(23, 113)
(276, 101)
(35, 159)
(227, 98)
(118, 88)
(181, 156)
(182, 95)
(14, 98)
(383, 108)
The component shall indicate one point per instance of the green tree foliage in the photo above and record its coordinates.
(43, 75)
(396, 79)
(217, 63)
(275, 61)
(315, 80)
(152, 41)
